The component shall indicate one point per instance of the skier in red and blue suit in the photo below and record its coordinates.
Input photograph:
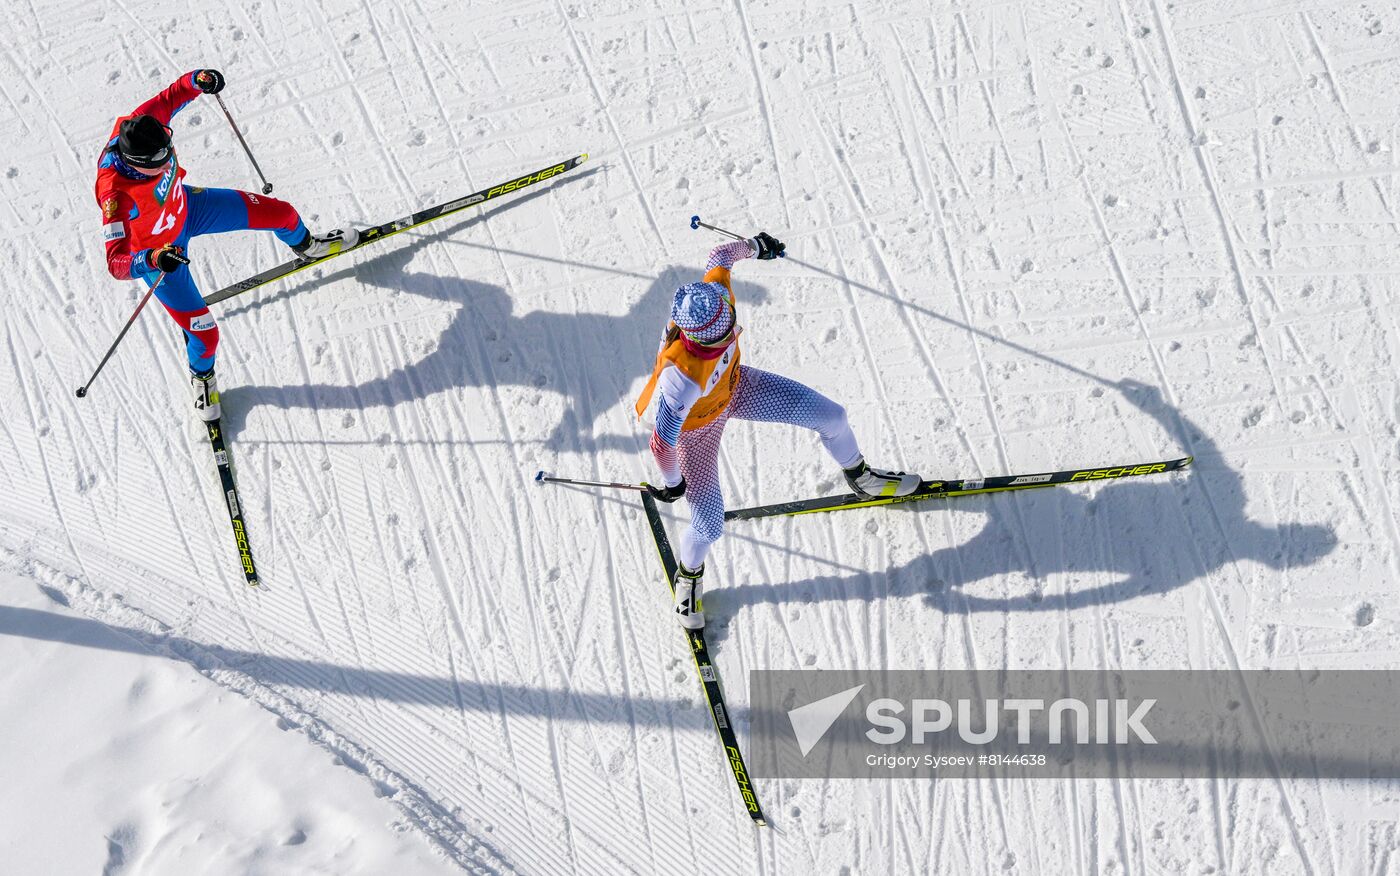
(149, 216)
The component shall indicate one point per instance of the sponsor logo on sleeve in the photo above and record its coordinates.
(113, 231)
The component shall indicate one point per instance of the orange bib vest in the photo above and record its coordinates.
(717, 378)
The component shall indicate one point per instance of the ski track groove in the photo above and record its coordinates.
(999, 804)
(533, 612)
(1203, 160)
(959, 289)
(1212, 601)
(357, 581)
(520, 550)
(107, 464)
(932, 370)
(179, 524)
(70, 152)
(624, 633)
(624, 152)
(433, 552)
(429, 542)
(25, 393)
(562, 665)
(1335, 84)
(763, 107)
(965, 616)
(1124, 811)
(985, 89)
(873, 249)
(618, 611)
(339, 532)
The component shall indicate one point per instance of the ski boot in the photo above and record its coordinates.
(319, 246)
(206, 395)
(869, 481)
(688, 609)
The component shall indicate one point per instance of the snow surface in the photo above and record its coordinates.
(1022, 236)
(119, 760)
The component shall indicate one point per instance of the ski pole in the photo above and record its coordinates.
(267, 186)
(695, 223)
(543, 478)
(82, 390)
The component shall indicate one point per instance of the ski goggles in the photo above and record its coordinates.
(154, 159)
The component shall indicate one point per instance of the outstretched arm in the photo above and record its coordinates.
(165, 105)
(1225, 482)
(726, 254)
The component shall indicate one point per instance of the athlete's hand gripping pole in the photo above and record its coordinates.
(696, 224)
(266, 186)
(82, 390)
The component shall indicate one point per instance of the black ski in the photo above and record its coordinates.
(709, 675)
(966, 487)
(235, 508)
(379, 232)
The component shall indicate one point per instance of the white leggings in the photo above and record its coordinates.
(766, 398)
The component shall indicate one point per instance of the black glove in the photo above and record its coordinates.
(209, 81)
(168, 258)
(667, 494)
(769, 247)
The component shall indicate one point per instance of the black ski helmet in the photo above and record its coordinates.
(144, 142)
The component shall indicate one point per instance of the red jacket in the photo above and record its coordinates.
(142, 213)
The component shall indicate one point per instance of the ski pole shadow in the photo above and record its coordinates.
(592, 359)
(1151, 536)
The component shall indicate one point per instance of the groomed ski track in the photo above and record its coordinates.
(995, 214)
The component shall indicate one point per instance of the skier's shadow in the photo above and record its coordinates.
(1149, 536)
(592, 359)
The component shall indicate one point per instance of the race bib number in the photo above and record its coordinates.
(171, 214)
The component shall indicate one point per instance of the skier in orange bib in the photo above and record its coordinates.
(698, 385)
